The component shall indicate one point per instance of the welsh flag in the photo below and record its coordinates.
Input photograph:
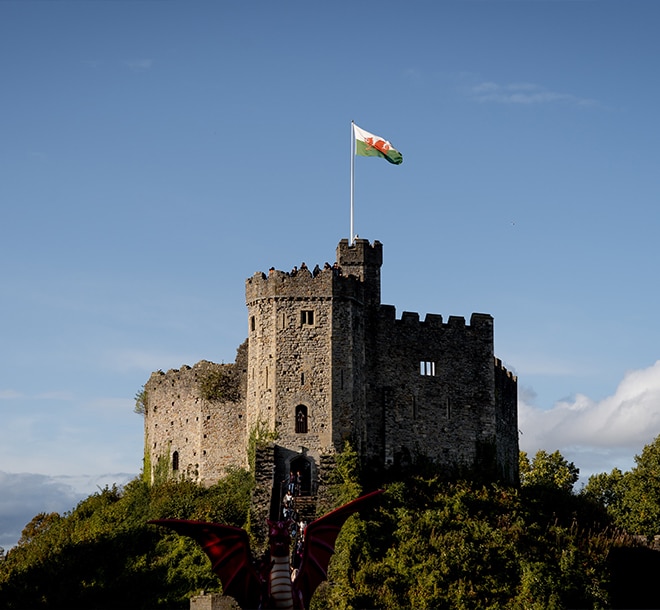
(369, 145)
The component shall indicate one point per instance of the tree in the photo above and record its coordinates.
(140, 402)
(40, 523)
(642, 488)
(605, 489)
(549, 470)
(632, 498)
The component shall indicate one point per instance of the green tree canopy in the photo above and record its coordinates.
(550, 470)
(632, 498)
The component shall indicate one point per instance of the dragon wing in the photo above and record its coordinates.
(228, 548)
(320, 538)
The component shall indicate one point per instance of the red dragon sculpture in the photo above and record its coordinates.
(269, 584)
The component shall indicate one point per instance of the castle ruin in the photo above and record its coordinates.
(325, 362)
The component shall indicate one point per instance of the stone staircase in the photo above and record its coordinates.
(305, 506)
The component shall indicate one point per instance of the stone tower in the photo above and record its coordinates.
(307, 355)
(326, 362)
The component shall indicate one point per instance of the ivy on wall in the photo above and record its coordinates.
(221, 384)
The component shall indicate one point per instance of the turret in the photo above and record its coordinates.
(363, 261)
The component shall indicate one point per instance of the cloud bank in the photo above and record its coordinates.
(24, 495)
(598, 432)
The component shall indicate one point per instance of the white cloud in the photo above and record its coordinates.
(523, 93)
(604, 431)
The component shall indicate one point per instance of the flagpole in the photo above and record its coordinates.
(350, 237)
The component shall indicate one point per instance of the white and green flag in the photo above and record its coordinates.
(369, 145)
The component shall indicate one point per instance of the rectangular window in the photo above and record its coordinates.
(307, 317)
(427, 367)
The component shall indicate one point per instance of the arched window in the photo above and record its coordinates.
(301, 419)
(175, 461)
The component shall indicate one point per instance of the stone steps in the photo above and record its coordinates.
(305, 506)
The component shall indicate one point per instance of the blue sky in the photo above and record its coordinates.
(156, 154)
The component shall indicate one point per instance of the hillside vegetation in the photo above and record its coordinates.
(430, 544)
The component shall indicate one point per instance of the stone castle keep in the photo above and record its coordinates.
(325, 362)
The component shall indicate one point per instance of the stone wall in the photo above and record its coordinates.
(396, 388)
(213, 601)
(197, 438)
(435, 380)
(506, 403)
(264, 500)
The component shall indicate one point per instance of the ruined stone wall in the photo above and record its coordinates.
(206, 436)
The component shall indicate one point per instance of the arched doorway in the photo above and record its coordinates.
(302, 466)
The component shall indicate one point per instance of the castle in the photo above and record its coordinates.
(325, 362)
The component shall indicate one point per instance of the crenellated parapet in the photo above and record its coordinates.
(303, 284)
(359, 255)
(363, 260)
(479, 322)
(502, 370)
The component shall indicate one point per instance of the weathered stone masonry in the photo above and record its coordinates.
(326, 362)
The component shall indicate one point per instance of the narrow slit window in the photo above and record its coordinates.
(301, 419)
(253, 323)
(307, 317)
(427, 368)
(175, 461)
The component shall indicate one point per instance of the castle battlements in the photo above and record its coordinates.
(500, 367)
(478, 321)
(324, 363)
(301, 284)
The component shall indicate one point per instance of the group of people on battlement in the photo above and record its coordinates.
(335, 268)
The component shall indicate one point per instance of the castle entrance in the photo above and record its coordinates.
(301, 465)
